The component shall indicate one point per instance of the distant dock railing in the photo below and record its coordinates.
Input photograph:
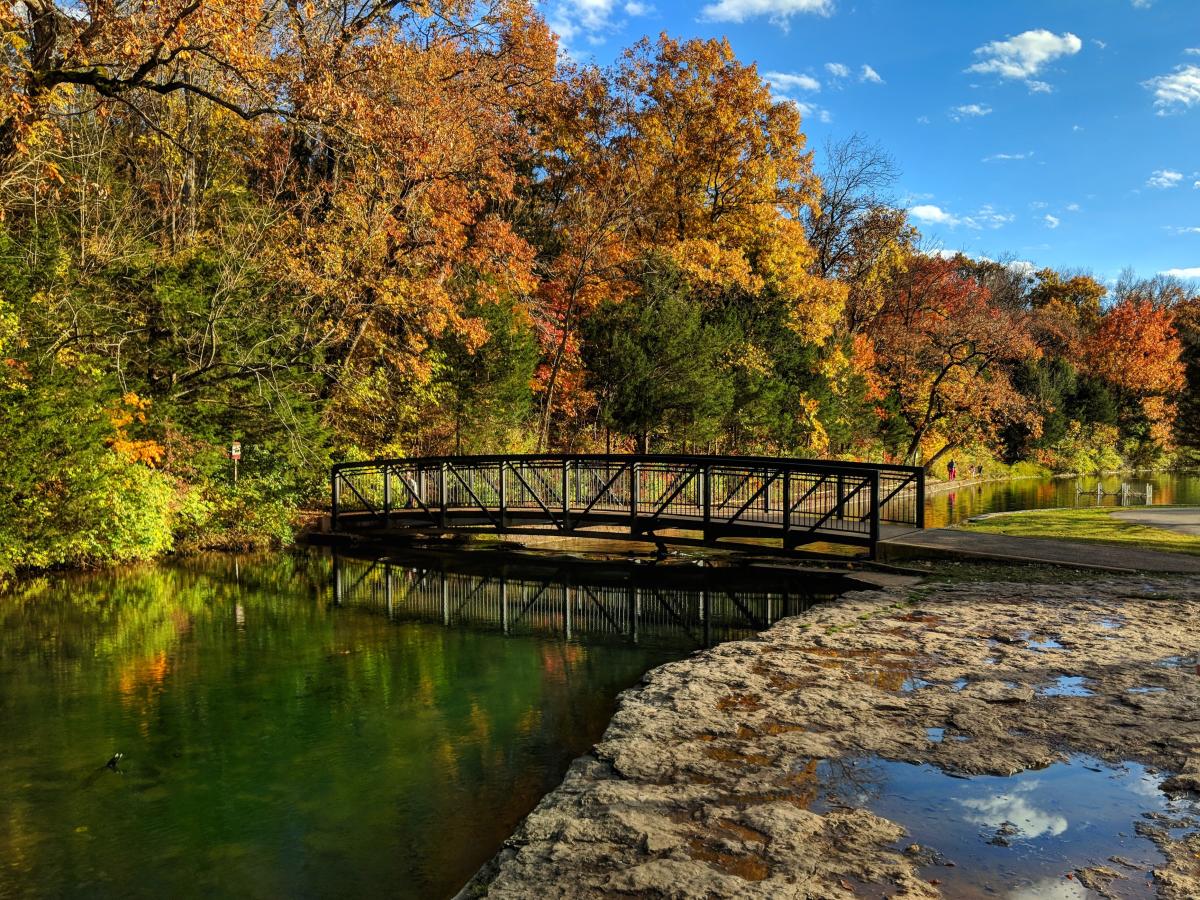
(642, 497)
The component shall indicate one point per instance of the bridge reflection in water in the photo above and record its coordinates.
(591, 602)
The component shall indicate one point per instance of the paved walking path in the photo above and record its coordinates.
(962, 544)
(1184, 519)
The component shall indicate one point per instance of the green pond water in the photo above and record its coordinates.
(960, 504)
(289, 730)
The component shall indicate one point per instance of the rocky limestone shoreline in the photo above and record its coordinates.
(712, 778)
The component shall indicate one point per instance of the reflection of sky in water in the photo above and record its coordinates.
(1067, 816)
(1066, 686)
(1050, 889)
(1018, 808)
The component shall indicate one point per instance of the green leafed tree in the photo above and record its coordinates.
(656, 365)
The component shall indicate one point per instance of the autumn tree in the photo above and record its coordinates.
(578, 213)
(721, 176)
(941, 347)
(1136, 348)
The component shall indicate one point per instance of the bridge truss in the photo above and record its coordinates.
(674, 499)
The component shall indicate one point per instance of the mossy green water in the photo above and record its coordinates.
(275, 745)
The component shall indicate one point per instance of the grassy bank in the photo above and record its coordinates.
(1098, 526)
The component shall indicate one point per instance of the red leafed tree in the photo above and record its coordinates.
(940, 347)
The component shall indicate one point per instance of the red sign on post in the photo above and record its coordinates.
(236, 450)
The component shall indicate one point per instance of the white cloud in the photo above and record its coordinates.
(1052, 221)
(1005, 157)
(1180, 88)
(1025, 55)
(1141, 4)
(932, 215)
(573, 20)
(1039, 87)
(837, 70)
(986, 217)
(869, 74)
(809, 110)
(1077, 128)
(792, 81)
(1192, 51)
(969, 111)
(1193, 272)
(1164, 178)
(1072, 207)
(777, 11)
(922, 120)
(1099, 43)
(1181, 230)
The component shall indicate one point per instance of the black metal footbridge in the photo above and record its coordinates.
(688, 500)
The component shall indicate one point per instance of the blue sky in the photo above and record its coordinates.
(1063, 132)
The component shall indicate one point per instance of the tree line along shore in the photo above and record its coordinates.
(332, 231)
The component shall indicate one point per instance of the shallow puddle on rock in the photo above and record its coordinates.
(1044, 644)
(1015, 837)
(1181, 662)
(1065, 686)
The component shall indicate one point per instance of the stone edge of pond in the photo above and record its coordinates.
(703, 780)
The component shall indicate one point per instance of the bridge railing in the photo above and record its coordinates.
(562, 602)
(717, 495)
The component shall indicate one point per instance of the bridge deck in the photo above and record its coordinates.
(674, 499)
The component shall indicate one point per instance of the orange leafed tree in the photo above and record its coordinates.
(1137, 349)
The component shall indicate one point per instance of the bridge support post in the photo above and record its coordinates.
(442, 491)
(633, 497)
(787, 508)
(874, 476)
(841, 496)
(566, 497)
(920, 501)
(387, 494)
(503, 499)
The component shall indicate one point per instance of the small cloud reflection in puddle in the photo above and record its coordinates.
(1050, 889)
(1018, 835)
(1016, 808)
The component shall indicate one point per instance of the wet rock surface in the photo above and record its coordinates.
(714, 777)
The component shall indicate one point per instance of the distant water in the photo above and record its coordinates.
(949, 507)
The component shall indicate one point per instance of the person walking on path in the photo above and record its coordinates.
(952, 470)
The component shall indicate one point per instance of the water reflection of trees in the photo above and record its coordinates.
(260, 723)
